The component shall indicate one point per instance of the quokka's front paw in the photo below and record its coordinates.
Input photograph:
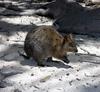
(42, 65)
(65, 59)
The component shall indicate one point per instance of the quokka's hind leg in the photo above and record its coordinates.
(40, 62)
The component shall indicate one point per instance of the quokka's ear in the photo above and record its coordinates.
(71, 36)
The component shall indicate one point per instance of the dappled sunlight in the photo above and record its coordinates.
(81, 74)
(18, 74)
(25, 20)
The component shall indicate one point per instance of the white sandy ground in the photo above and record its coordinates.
(82, 74)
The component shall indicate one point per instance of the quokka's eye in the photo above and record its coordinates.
(72, 45)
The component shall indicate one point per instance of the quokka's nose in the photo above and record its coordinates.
(76, 50)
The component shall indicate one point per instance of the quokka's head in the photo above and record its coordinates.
(69, 44)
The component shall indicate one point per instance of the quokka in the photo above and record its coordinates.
(45, 42)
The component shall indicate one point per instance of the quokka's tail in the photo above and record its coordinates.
(21, 54)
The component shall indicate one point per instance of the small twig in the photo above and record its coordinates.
(36, 87)
(84, 50)
(3, 55)
(17, 40)
(90, 75)
(87, 54)
(70, 82)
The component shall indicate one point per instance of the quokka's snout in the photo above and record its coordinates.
(75, 50)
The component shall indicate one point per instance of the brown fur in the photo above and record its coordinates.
(45, 42)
